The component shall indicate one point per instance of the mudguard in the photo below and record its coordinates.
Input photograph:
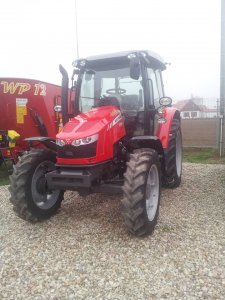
(147, 141)
(46, 141)
(163, 130)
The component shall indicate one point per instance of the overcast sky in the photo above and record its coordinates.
(36, 36)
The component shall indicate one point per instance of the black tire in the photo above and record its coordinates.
(29, 196)
(137, 180)
(173, 157)
(1, 159)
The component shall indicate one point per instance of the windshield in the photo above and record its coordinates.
(112, 86)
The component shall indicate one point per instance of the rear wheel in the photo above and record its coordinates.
(142, 188)
(30, 196)
(172, 178)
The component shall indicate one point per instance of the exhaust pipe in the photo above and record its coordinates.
(64, 94)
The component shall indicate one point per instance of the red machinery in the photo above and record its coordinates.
(27, 106)
(121, 135)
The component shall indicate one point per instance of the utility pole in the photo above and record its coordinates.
(222, 80)
(76, 28)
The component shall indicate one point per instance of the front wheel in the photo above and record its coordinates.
(30, 196)
(142, 187)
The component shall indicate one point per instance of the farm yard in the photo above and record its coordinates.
(117, 163)
(85, 252)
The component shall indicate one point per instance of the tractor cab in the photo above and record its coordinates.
(129, 80)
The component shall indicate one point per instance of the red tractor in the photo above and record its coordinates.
(123, 136)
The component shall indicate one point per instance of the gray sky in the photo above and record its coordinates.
(38, 35)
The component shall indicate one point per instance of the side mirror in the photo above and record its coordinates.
(165, 101)
(135, 70)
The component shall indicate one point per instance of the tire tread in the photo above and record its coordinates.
(133, 202)
(19, 189)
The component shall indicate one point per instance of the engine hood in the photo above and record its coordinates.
(88, 123)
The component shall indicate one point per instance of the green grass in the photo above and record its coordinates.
(202, 155)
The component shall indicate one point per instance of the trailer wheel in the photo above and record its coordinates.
(142, 187)
(30, 196)
(172, 178)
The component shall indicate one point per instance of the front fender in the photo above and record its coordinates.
(46, 141)
(163, 130)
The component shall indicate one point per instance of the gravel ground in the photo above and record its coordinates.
(85, 252)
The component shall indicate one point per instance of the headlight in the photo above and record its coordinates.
(85, 141)
(161, 120)
(76, 143)
(60, 143)
(132, 55)
(58, 108)
(161, 110)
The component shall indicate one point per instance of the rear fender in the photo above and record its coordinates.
(45, 141)
(163, 130)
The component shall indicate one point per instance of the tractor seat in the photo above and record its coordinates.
(130, 102)
(106, 101)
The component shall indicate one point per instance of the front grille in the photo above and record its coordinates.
(83, 151)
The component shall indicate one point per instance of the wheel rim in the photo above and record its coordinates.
(178, 153)
(152, 192)
(43, 198)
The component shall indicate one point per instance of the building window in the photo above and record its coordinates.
(194, 114)
(186, 114)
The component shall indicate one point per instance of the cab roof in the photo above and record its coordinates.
(151, 59)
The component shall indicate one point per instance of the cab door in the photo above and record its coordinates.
(156, 91)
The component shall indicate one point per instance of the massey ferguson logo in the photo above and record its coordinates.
(68, 141)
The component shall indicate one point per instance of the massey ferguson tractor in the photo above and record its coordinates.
(122, 136)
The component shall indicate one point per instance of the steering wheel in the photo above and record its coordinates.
(116, 91)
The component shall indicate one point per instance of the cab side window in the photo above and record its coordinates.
(159, 83)
(155, 82)
(87, 93)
